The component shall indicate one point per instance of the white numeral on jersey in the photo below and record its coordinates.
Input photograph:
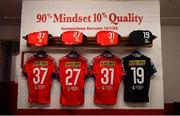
(111, 35)
(69, 72)
(138, 72)
(146, 35)
(76, 35)
(37, 79)
(105, 72)
(40, 36)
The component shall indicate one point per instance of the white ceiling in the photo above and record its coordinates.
(170, 12)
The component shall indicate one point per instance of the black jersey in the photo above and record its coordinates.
(138, 70)
(141, 37)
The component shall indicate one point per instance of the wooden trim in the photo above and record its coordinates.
(90, 112)
(169, 108)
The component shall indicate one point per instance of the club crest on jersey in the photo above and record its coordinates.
(72, 64)
(137, 62)
(107, 63)
(40, 63)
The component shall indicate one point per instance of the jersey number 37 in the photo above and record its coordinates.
(37, 79)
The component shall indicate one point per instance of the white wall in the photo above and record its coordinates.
(171, 62)
(14, 68)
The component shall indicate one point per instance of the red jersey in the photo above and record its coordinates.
(38, 38)
(72, 78)
(107, 38)
(72, 37)
(39, 77)
(108, 74)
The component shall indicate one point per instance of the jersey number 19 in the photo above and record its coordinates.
(138, 75)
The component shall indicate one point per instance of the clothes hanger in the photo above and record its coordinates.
(107, 54)
(41, 54)
(136, 53)
(73, 54)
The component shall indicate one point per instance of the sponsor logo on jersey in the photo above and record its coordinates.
(107, 63)
(73, 88)
(40, 63)
(72, 64)
(137, 87)
(39, 87)
(137, 62)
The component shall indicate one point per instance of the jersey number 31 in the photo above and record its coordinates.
(106, 73)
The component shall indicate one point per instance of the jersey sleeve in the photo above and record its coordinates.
(124, 67)
(123, 70)
(25, 68)
(59, 66)
(54, 70)
(90, 68)
(54, 67)
(152, 68)
(87, 67)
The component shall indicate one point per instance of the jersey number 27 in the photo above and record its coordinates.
(70, 73)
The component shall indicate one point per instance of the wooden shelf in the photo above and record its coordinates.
(91, 41)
